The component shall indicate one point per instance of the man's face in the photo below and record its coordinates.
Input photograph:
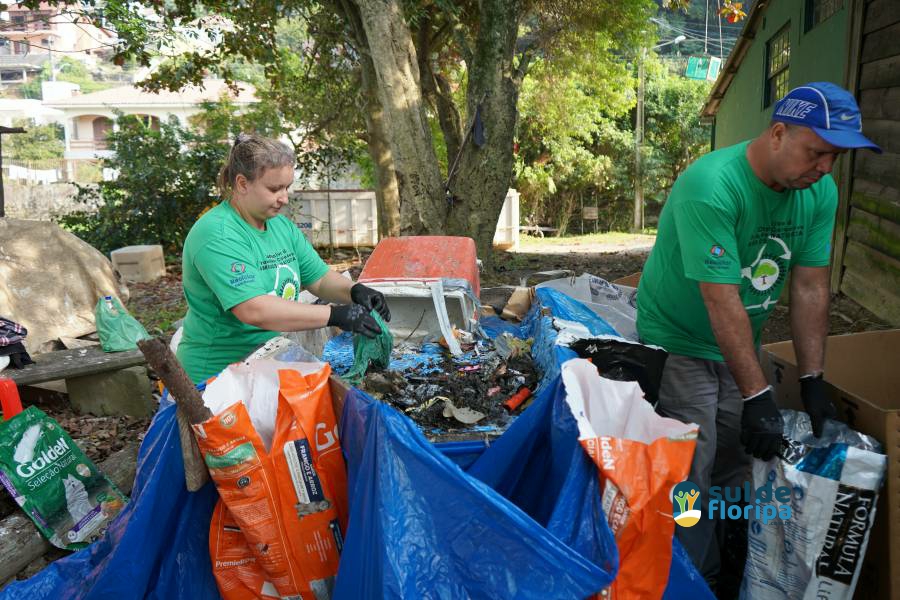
(800, 157)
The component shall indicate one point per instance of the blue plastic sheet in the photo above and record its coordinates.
(421, 528)
(566, 307)
(522, 520)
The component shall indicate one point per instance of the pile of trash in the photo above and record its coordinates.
(482, 388)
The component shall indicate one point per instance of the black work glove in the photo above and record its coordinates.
(761, 425)
(355, 319)
(816, 402)
(371, 299)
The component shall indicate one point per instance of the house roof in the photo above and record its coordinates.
(26, 109)
(129, 95)
(726, 75)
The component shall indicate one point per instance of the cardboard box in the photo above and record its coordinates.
(629, 280)
(863, 371)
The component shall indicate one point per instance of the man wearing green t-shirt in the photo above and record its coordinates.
(736, 223)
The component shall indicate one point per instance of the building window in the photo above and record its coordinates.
(819, 10)
(18, 23)
(778, 59)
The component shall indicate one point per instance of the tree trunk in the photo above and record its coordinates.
(422, 205)
(567, 206)
(387, 195)
(436, 89)
(479, 187)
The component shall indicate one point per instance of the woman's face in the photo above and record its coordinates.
(262, 198)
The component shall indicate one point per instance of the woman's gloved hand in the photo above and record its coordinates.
(371, 299)
(354, 318)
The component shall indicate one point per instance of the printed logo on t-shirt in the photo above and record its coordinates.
(717, 251)
(766, 274)
(242, 279)
(276, 260)
(287, 284)
(238, 267)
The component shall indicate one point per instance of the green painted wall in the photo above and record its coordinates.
(819, 55)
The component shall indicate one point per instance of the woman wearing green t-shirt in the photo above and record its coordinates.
(244, 266)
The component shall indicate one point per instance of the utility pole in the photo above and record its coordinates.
(638, 223)
(4, 131)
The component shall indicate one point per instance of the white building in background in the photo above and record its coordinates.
(13, 110)
(30, 38)
(88, 118)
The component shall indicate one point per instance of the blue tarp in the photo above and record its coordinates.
(523, 520)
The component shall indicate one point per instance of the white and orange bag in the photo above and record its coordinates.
(640, 457)
(273, 451)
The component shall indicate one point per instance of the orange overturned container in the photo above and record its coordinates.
(423, 258)
(420, 277)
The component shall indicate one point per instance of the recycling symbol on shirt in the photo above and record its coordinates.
(767, 270)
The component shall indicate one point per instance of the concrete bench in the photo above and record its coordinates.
(100, 383)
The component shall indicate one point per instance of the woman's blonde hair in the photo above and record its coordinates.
(250, 156)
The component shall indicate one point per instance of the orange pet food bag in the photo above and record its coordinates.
(288, 503)
(640, 456)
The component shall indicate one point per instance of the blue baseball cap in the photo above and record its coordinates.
(829, 110)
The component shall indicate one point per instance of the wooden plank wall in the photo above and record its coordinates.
(871, 260)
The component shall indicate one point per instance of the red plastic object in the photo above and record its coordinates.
(9, 398)
(516, 400)
(423, 258)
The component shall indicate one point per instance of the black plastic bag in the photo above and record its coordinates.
(625, 361)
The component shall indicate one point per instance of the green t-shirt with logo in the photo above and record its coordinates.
(225, 262)
(721, 224)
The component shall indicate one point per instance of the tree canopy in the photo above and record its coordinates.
(439, 93)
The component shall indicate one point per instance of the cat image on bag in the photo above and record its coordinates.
(77, 500)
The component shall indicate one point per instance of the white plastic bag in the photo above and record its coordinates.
(255, 383)
(818, 551)
(615, 304)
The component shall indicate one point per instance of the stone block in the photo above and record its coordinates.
(123, 392)
(139, 264)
